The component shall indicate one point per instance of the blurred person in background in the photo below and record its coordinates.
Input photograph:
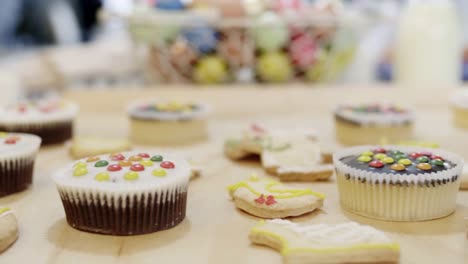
(45, 22)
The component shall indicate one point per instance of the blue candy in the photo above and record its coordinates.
(201, 38)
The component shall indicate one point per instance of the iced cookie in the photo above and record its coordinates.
(128, 193)
(270, 199)
(252, 142)
(91, 146)
(298, 160)
(324, 243)
(8, 229)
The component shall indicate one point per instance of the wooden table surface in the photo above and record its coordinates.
(214, 231)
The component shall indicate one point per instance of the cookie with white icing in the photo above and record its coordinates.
(130, 193)
(8, 228)
(167, 123)
(50, 118)
(17, 156)
(324, 243)
(270, 199)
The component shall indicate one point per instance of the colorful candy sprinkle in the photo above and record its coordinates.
(117, 157)
(80, 165)
(146, 163)
(270, 200)
(437, 162)
(367, 153)
(376, 164)
(380, 156)
(131, 176)
(135, 158)
(424, 166)
(426, 153)
(137, 167)
(388, 160)
(159, 172)
(364, 158)
(157, 158)
(167, 165)
(144, 155)
(405, 162)
(125, 163)
(80, 171)
(10, 141)
(437, 157)
(103, 176)
(415, 155)
(92, 159)
(261, 199)
(422, 159)
(101, 163)
(398, 167)
(114, 167)
(380, 150)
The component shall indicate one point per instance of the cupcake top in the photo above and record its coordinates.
(124, 172)
(374, 114)
(16, 144)
(398, 163)
(460, 99)
(167, 111)
(38, 111)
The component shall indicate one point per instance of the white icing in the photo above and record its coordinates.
(365, 118)
(460, 99)
(134, 110)
(374, 177)
(175, 179)
(65, 111)
(340, 235)
(26, 145)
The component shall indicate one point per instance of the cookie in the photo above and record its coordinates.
(91, 146)
(298, 160)
(8, 228)
(464, 179)
(270, 199)
(324, 243)
(252, 142)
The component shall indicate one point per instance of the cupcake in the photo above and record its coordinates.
(460, 109)
(398, 183)
(173, 123)
(371, 123)
(50, 119)
(17, 156)
(124, 193)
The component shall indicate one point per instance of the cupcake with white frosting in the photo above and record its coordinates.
(167, 123)
(124, 193)
(17, 157)
(50, 118)
(372, 123)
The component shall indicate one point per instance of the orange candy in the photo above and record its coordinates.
(92, 159)
(125, 163)
(135, 158)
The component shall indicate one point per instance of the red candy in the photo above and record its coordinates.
(117, 157)
(376, 164)
(380, 150)
(114, 167)
(167, 165)
(260, 200)
(415, 155)
(144, 155)
(437, 157)
(426, 153)
(137, 167)
(10, 141)
(270, 200)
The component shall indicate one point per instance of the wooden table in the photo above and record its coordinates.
(214, 231)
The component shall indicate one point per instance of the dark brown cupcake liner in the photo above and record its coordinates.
(15, 175)
(124, 215)
(50, 133)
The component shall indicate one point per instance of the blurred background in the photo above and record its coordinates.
(94, 44)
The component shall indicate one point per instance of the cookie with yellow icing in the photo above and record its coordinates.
(270, 199)
(325, 243)
(8, 228)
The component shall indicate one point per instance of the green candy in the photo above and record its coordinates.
(101, 163)
(157, 158)
(380, 156)
(422, 159)
(364, 158)
(405, 162)
(437, 162)
(400, 156)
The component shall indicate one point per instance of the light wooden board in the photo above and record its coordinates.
(214, 231)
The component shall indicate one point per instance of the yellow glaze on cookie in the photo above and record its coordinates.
(269, 186)
(287, 250)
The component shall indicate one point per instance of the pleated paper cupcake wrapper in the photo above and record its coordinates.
(123, 214)
(16, 173)
(51, 132)
(398, 197)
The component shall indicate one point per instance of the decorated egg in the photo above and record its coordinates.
(303, 50)
(170, 4)
(318, 70)
(210, 70)
(270, 32)
(227, 8)
(287, 7)
(274, 67)
(182, 57)
(235, 48)
(201, 38)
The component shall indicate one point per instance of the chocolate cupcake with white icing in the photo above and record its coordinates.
(398, 183)
(171, 123)
(125, 193)
(51, 119)
(17, 156)
(372, 123)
